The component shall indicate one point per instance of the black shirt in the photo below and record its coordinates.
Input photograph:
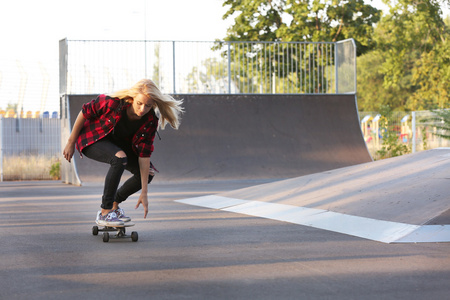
(124, 131)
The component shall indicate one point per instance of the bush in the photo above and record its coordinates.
(391, 145)
(55, 172)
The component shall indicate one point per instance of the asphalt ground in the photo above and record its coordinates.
(187, 252)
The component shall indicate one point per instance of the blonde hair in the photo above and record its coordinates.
(169, 109)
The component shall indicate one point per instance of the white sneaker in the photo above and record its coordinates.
(121, 215)
(109, 219)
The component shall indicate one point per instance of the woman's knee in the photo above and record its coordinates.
(120, 159)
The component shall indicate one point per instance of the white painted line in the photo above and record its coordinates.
(372, 229)
(212, 201)
(428, 234)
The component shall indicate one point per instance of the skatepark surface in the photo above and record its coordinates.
(287, 204)
(236, 251)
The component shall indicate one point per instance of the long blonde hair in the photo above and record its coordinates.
(169, 109)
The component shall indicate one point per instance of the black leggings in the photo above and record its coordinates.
(105, 151)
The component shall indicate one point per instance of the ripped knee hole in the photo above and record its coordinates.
(121, 160)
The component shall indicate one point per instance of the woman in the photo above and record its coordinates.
(119, 130)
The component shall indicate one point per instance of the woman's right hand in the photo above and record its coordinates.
(69, 150)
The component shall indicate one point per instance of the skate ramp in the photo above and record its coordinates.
(238, 137)
(402, 199)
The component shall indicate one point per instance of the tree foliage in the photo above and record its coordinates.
(296, 20)
(391, 146)
(403, 56)
(372, 96)
(413, 58)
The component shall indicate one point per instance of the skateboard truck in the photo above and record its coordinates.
(119, 231)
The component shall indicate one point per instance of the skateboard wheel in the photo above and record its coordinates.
(134, 236)
(95, 230)
(105, 237)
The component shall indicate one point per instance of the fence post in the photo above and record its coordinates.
(336, 81)
(229, 68)
(174, 76)
(63, 65)
(355, 71)
(414, 136)
(1, 148)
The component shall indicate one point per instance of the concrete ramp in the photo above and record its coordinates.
(402, 199)
(237, 137)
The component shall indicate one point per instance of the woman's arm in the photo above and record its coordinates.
(69, 150)
(144, 167)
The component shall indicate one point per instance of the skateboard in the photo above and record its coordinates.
(118, 229)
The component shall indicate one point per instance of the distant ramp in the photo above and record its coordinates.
(397, 200)
(237, 137)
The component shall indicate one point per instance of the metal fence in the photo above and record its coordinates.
(413, 130)
(29, 148)
(90, 67)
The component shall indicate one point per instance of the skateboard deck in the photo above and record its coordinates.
(118, 230)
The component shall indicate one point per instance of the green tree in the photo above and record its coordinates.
(293, 20)
(254, 20)
(413, 40)
(331, 21)
(371, 93)
(431, 77)
(296, 20)
(409, 69)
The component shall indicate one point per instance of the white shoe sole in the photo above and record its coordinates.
(106, 223)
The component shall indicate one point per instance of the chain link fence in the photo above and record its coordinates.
(90, 67)
(29, 148)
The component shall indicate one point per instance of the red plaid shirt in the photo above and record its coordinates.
(103, 113)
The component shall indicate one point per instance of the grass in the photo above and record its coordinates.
(27, 167)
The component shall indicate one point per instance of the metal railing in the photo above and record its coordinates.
(88, 67)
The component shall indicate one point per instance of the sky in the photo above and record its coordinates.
(31, 29)
(38, 25)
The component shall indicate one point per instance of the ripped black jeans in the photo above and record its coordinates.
(105, 151)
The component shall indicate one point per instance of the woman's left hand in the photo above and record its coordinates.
(143, 199)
